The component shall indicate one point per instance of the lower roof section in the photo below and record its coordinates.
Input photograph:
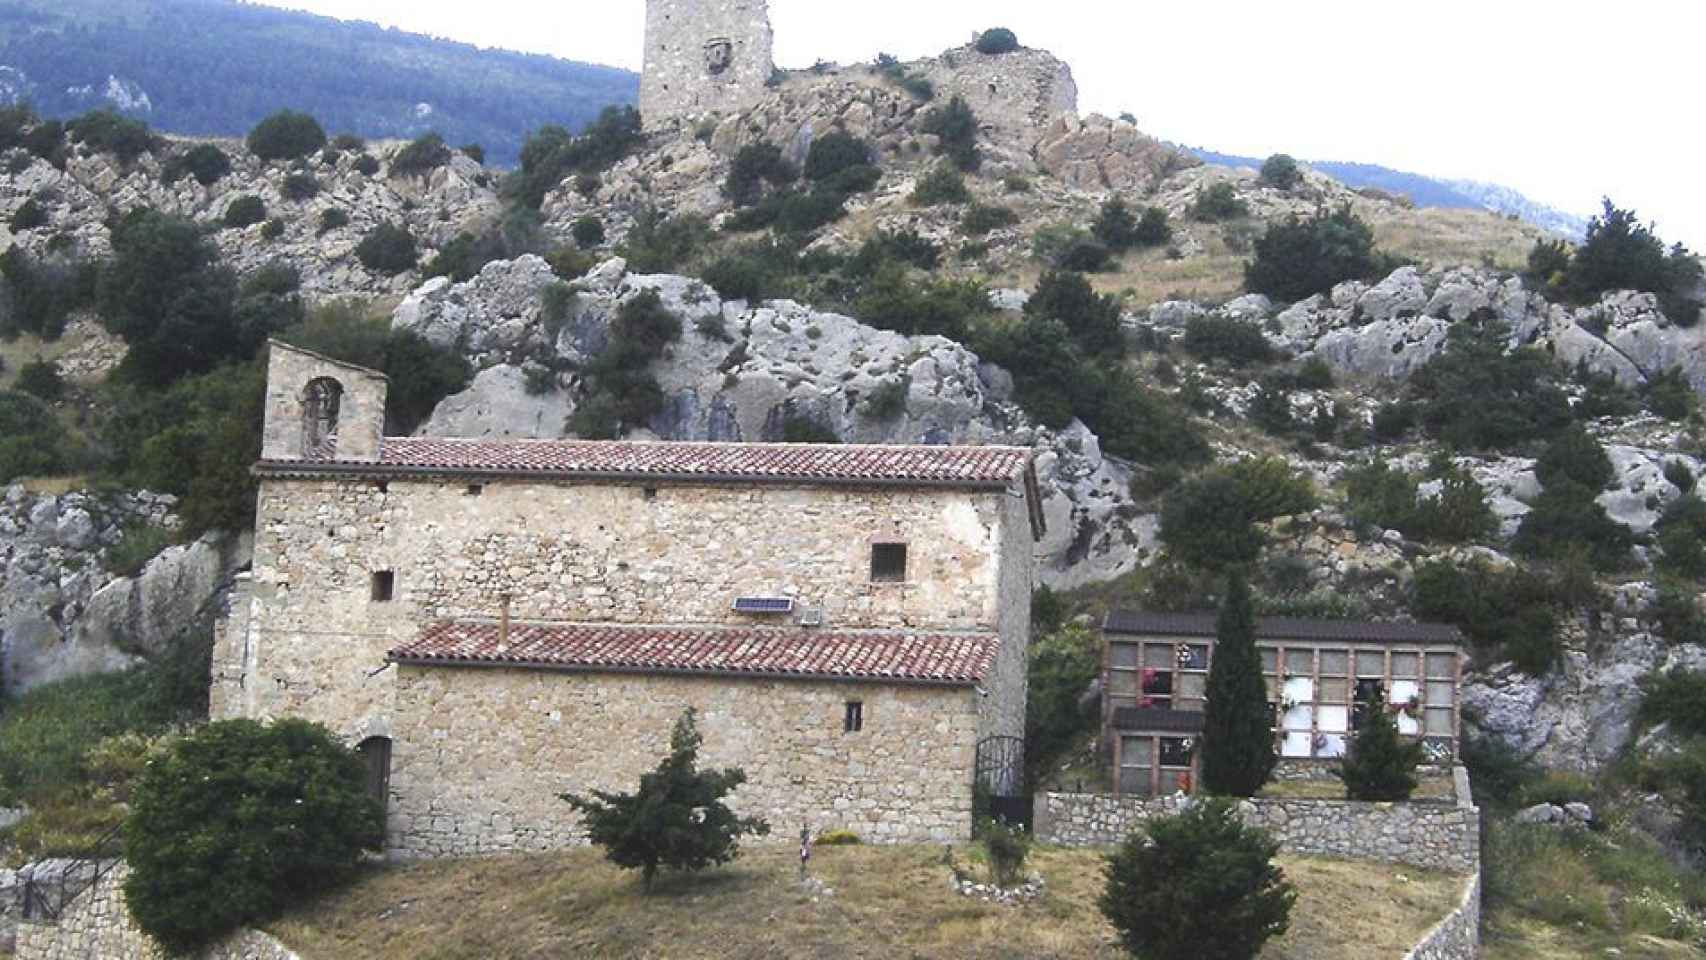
(942, 659)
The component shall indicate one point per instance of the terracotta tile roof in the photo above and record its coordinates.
(945, 659)
(1283, 628)
(975, 466)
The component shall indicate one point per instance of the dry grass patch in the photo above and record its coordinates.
(1429, 788)
(886, 902)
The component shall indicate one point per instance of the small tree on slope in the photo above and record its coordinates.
(1379, 765)
(1198, 886)
(677, 818)
(1238, 745)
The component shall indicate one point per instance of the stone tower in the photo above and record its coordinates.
(702, 57)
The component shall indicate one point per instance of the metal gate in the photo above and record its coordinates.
(1000, 781)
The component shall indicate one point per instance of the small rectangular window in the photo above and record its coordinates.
(384, 586)
(888, 563)
(854, 721)
(475, 489)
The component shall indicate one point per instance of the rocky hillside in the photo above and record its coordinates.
(760, 367)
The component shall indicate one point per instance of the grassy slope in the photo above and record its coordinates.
(887, 902)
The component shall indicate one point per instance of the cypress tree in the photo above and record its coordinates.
(1379, 765)
(1238, 745)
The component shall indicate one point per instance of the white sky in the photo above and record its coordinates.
(1564, 100)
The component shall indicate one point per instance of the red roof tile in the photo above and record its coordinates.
(939, 658)
(804, 463)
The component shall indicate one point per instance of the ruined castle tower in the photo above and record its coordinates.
(702, 57)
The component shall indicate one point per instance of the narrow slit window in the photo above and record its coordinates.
(854, 720)
(384, 586)
(888, 563)
(475, 489)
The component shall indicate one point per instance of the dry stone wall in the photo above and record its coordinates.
(97, 926)
(480, 756)
(1458, 936)
(1432, 836)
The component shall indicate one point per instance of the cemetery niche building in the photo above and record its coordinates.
(495, 623)
(1322, 676)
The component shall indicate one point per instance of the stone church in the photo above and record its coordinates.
(498, 622)
(704, 58)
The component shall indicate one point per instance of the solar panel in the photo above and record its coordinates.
(764, 605)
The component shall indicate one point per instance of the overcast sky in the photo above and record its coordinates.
(1562, 99)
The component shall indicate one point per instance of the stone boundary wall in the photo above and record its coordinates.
(1434, 836)
(97, 926)
(1458, 936)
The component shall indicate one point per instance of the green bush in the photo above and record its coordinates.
(891, 300)
(1237, 342)
(1575, 457)
(105, 131)
(1281, 172)
(1676, 614)
(791, 211)
(286, 135)
(1621, 253)
(658, 245)
(1504, 613)
(906, 247)
(834, 153)
(299, 187)
(552, 154)
(998, 40)
(1567, 517)
(1093, 319)
(388, 249)
(588, 232)
(474, 152)
(1300, 258)
(956, 127)
(1198, 886)
(1006, 846)
(1085, 256)
(40, 379)
(837, 838)
(676, 820)
(1379, 765)
(367, 165)
(888, 400)
(1380, 496)
(272, 229)
(1677, 698)
(981, 219)
(747, 275)
(420, 157)
(1153, 228)
(943, 184)
(1206, 522)
(1668, 394)
(140, 543)
(245, 211)
(1063, 663)
(1681, 532)
(31, 441)
(755, 165)
(331, 219)
(28, 216)
(1477, 395)
(43, 293)
(620, 391)
(1218, 202)
(168, 295)
(203, 865)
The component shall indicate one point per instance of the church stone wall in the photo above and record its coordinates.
(704, 57)
(316, 641)
(361, 416)
(480, 756)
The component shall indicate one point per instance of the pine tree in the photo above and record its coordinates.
(1379, 765)
(1238, 744)
(677, 818)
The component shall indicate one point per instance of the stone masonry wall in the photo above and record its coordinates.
(1458, 936)
(1433, 836)
(1002, 713)
(97, 926)
(703, 57)
(480, 756)
(316, 641)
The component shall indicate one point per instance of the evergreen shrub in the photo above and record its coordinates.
(286, 135)
(1380, 765)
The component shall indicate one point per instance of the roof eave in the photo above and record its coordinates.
(303, 468)
(403, 659)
